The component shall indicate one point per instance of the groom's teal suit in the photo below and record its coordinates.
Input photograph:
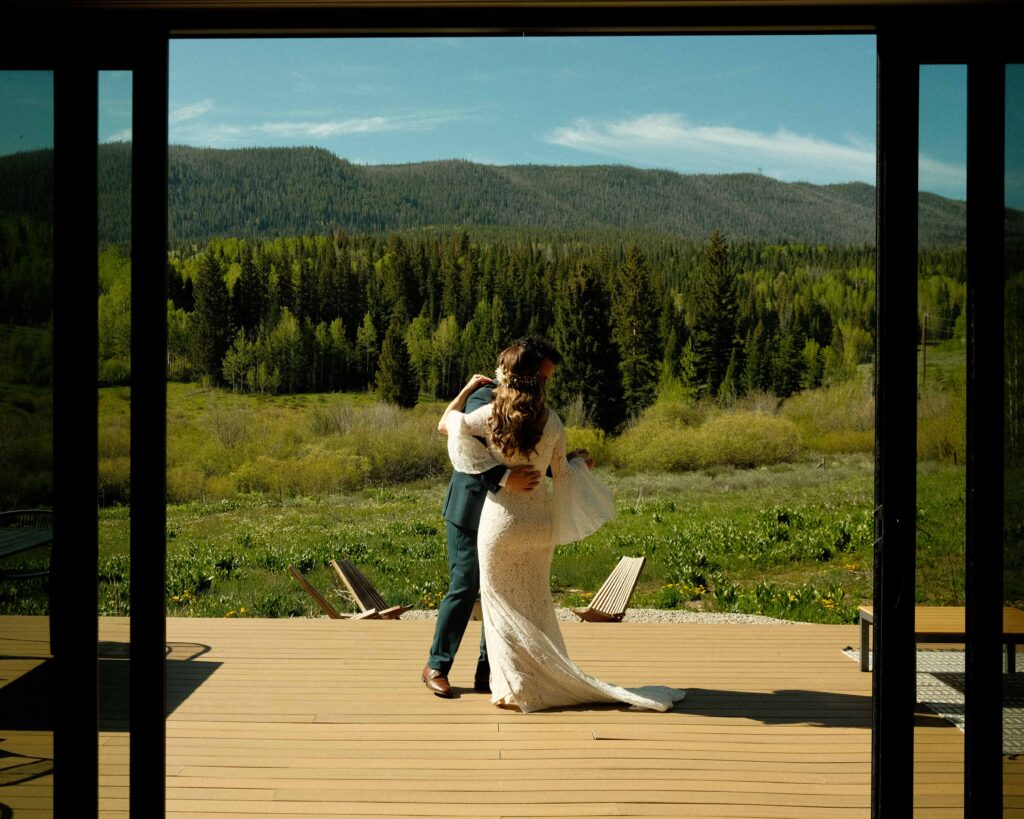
(463, 504)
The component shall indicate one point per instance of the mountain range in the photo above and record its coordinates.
(269, 192)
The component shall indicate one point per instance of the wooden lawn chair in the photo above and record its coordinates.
(610, 603)
(363, 592)
(321, 601)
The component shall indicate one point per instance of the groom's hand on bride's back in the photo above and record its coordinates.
(581, 453)
(523, 479)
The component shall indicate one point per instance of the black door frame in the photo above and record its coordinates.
(135, 35)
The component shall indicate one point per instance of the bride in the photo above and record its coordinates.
(530, 668)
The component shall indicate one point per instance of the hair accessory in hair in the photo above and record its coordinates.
(522, 382)
(500, 376)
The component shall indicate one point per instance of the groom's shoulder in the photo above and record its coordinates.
(484, 395)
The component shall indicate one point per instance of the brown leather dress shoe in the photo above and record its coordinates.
(437, 682)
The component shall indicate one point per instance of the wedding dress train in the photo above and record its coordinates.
(530, 667)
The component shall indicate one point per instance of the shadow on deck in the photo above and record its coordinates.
(318, 717)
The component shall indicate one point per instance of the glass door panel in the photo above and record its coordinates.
(941, 429)
(26, 440)
(114, 166)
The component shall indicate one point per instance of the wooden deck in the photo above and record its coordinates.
(329, 718)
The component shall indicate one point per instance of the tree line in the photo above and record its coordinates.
(411, 313)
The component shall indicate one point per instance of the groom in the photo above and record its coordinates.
(463, 504)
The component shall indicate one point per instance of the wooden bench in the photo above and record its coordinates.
(947, 624)
(24, 529)
(363, 592)
(612, 599)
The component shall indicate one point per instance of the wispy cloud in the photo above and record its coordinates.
(124, 135)
(354, 125)
(221, 134)
(191, 111)
(670, 140)
(941, 177)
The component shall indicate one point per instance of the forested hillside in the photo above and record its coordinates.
(287, 192)
(272, 192)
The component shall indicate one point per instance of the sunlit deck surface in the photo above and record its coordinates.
(329, 718)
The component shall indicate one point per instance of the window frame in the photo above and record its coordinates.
(136, 35)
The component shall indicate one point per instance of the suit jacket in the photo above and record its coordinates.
(464, 500)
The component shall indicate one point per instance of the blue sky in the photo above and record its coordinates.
(794, 108)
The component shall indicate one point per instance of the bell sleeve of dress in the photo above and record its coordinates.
(581, 503)
(465, 450)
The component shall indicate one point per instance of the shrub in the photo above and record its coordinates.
(185, 483)
(835, 419)
(590, 439)
(231, 426)
(258, 475)
(334, 418)
(221, 487)
(26, 447)
(735, 438)
(648, 447)
(115, 370)
(114, 480)
(941, 424)
(748, 439)
(760, 401)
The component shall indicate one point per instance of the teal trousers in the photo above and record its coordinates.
(457, 607)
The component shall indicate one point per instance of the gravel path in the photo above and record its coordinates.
(648, 616)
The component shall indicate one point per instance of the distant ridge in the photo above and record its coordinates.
(270, 192)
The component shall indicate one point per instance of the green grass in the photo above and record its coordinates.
(804, 529)
(26, 446)
(791, 541)
(734, 509)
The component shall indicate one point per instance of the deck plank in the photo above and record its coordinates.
(327, 718)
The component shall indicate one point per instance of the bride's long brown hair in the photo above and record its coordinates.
(520, 406)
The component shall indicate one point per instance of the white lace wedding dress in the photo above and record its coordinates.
(518, 532)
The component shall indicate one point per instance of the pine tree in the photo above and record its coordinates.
(673, 331)
(757, 354)
(249, 297)
(688, 370)
(590, 359)
(635, 315)
(788, 363)
(284, 290)
(175, 284)
(396, 380)
(478, 349)
(812, 373)
(727, 391)
(397, 285)
(307, 293)
(211, 323)
(715, 312)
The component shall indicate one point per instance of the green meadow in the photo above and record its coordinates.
(752, 507)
